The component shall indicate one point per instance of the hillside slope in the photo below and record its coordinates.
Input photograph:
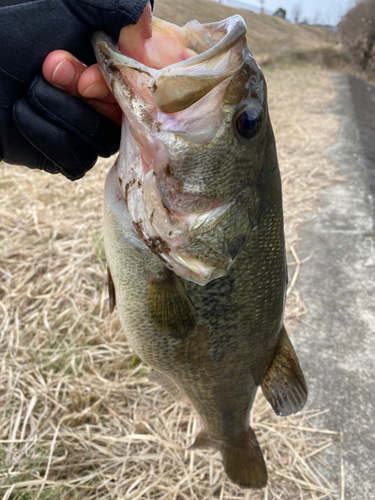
(266, 34)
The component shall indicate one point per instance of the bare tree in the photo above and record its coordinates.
(357, 31)
(317, 17)
(297, 12)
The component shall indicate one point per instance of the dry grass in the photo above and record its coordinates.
(266, 34)
(78, 417)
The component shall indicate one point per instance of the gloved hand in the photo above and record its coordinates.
(42, 126)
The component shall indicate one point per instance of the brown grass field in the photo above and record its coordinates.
(267, 35)
(78, 417)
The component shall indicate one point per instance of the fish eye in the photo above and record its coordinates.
(249, 122)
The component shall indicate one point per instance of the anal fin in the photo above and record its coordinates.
(284, 385)
(111, 291)
(168, 384)
(204, 441)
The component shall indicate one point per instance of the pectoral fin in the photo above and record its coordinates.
(284, 385)
(169, 306)
(111, 291)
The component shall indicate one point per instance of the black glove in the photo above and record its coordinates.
(42, 126)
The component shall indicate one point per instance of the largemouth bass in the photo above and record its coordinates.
(193, 233)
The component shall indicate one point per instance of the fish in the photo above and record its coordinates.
(194, 235)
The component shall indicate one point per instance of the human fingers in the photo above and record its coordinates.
(155, 45)
(61, 69)
(94, 90)
(91, 84)
(133, 38)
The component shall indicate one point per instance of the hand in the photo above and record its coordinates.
(153, 47)
(64, 71)
(42, 126)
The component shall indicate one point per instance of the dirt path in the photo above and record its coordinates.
(336, 344)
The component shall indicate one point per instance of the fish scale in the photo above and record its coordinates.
(200, 288)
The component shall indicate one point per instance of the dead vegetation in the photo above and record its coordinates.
(78, 417)
(357, 33)
(271, 39)
(267, 35)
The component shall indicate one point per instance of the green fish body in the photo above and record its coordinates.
(193, 232)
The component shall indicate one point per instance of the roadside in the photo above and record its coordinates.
(336, 341)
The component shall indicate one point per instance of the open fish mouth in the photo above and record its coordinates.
(174, 119)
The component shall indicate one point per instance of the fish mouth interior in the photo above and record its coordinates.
(179, 85)
(144, 93)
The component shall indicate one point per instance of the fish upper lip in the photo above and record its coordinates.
(107, 52)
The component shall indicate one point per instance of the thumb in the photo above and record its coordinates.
(109, 15)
